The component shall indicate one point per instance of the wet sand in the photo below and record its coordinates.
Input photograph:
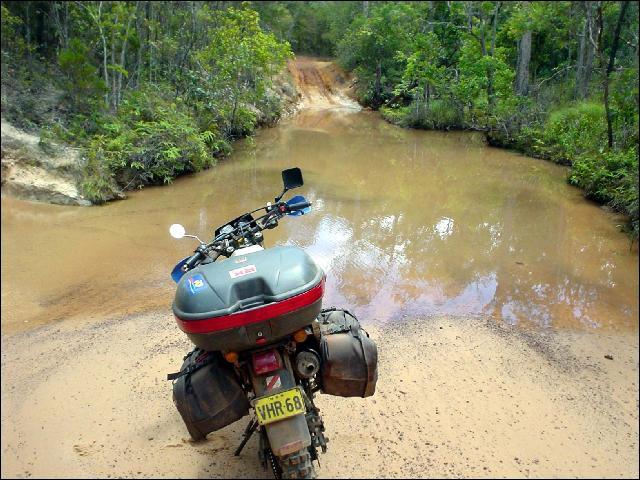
(455, 398)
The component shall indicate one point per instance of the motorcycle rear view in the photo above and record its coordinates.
(263, 343)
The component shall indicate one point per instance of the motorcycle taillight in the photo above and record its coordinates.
(265, 362)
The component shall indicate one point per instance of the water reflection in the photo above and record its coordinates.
(404, 223)
(445, 225)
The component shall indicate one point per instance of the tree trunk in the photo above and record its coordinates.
(585, 55)
(186, 50)
(65, 25)
(578, 92)
(105, 70)
(524, 58)
(378, 85)
(612, 60)
(149, 43)
(139, 32)
(113, 62)
(494, 30)
(61, 25)
(123, 57)
(27, 24)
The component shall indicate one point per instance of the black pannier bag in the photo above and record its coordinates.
(207, 393)
(349, 358)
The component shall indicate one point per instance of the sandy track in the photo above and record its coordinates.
(455, 398)
(321, 84)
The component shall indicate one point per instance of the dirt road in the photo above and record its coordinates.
(455, 398)
(321, 84)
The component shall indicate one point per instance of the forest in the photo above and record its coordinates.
(151, 90)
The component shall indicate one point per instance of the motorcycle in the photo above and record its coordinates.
(262, 341)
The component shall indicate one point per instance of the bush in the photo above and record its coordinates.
(13, 45)
(574, 131)
(624, 106)
(397, 116)
(270, 107)
(97, 184)
(438, 114)
(242, 123)
(150, 141)
(611, 178)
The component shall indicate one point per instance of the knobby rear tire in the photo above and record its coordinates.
(297, 465)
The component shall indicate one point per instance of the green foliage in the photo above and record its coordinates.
(577, 136)
(397, 116)
(46, 141)
(275, 18)
(375, 48)
(238, 63)
(151, 141)
(98, 184)
(423, 69)
(13, 44)
(625, 102)
(477, 73)
(573, 131)
(309, 27)
(270, 107)
(150, 90)
(8, 24)
(435, 115)
(611, 178)
(82, 83)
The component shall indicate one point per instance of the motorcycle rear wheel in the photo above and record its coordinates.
(297, 465)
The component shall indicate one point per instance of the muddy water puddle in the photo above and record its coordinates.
(404, 223)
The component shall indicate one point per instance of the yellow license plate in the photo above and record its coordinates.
(279, 406)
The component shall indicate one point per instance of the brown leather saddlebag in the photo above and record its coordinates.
(207, 393)
(349, 358)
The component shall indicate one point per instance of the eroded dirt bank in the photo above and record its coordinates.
(31, 173)
(455, 398)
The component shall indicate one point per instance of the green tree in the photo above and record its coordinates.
(239, 61)
(82, 83)
(371, 45)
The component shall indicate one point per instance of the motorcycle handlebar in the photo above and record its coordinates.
(199, 254)
(299, 205)
(193, 259)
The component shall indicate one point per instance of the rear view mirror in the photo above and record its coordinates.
(177, 231)
(292, 178)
